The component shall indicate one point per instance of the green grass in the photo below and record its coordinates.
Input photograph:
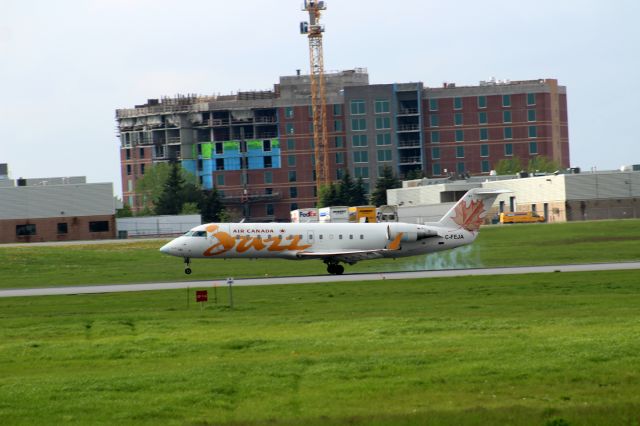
(533, 349)
(140, 261)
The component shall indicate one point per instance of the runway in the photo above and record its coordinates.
(117, 288)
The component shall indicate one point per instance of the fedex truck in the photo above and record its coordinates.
(304, 215)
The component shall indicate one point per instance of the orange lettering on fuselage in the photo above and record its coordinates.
(247, 242)
(225, 242)
(294, 244)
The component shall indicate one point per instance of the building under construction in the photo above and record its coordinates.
(257, 148)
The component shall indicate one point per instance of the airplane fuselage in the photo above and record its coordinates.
(287, 240)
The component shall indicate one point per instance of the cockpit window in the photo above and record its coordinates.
(188, 234)
(196, 234)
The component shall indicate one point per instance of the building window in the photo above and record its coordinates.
(484, 150)
(383, 139)
(337, 125)
(358, 124)
(435, 136)
(290, 129)
(359, 140)
(482, 118)
(484, 134)
(506, 116)
(266, 145)
(291, 145)
(435, 168)
(267, 162)
(294, 206)
(127, 154)
(357, 107)
(460, 167)
(268, 177)
(293, 177)
(508, 133)
(293, 192)
(459, 135)
(339, 157)
(457, 103)
(383, 123)
(219, 163)
(220, 180)
(458, 119)
(360, 156)
(141, 152)
(533, 148)
(384, 155)
(361, 172)
(291, 160)
(433, 104)
(288, 112)
(63, 228)
(482, 101)
(435, 153)
(485, 167)
(128, 169)
(434, 120)
(382, 106)
(506, 100)
(269, 209)
(337, 109)
(460, 152)
(339, 142)
(533, 132)
(99, 226)
(508, 149)
(219, 148)
(339, 173)
(531, 98)
(25, 230)
(141, 169)
(531, 115)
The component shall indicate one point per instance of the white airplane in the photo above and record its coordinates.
(334, 243)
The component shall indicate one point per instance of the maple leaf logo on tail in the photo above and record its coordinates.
(469, 217)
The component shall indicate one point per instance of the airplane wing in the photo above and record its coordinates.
(347, 256)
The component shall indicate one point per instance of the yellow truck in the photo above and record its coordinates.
(521, 217)
(362, 214)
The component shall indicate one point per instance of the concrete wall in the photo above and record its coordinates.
(157, 225)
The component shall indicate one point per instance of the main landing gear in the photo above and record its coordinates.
(187, 262)
(334, 268)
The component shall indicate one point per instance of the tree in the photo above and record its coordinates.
(359, 195)
(125, 211)
(542, 164)
(413, 174)
(151, 185)
(211, 207)
(172, 197)
(328, 195)
(346, 190)
(384, 182)
(508, 166)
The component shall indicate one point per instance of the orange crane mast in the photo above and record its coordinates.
(314, 30)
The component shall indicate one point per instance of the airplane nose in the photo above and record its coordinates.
(166, 249)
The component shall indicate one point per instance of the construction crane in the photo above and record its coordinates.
(318, 99)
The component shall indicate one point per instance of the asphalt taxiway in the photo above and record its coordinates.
(117, 288)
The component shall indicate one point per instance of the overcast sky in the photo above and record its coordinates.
(66, 65)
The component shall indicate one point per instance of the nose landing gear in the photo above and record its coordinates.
(187, 269)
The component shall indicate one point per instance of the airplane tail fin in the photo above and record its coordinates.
(469, 213)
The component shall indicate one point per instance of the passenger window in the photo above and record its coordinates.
(340, 236)
(351, 236)
(361, 237)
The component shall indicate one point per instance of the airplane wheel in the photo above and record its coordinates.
(331, 268)
(187, 271)
(339, 269)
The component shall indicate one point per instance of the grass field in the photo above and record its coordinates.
(552, 349)
(140, 261)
